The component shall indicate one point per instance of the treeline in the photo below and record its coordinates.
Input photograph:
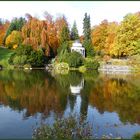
(53, 37)
(118, 39)
(38, 41)
(32, 31)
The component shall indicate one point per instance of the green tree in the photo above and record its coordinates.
(74, 32)
(65, 35)
(86, 27)
(63, 50)
(87, 36)
(16, 24)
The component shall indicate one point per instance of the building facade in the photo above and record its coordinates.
(76, 46)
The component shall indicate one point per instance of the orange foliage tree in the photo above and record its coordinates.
(3, 29)
(98, 35)
(43, 33)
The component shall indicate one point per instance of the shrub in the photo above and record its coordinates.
(24, 50)
(82, 69)
(20, 60)
(5, 64)
(75, 59)
(27, 66)
(63, 56)
(65, 128)
(64, 46)
(63, 52)
(92, 64)
(35, 58)
(136, 136)
(134, 60)
(62, 68)
(10, 60)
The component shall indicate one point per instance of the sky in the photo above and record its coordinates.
(73, 10)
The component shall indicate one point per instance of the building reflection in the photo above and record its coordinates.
(77, 88)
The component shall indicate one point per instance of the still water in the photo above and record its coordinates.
(111, 103)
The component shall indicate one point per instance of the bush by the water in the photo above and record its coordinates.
(62, 65)
(27, 66)
(62, 68)
(25, 54)
(75, 59)
(136, 136)
(135, 62)
(82, 69)
(20, 60)
(65, 128)
(94, 64)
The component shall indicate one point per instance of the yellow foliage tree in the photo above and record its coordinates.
(14, 39)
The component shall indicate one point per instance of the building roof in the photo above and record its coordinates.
(77, 48)
(76, 44)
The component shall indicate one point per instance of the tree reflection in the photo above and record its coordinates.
(39, 92)
(36, 92)
(118, 95)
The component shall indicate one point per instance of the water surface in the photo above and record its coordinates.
(111, 103)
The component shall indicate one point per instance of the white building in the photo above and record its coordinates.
(76, 46)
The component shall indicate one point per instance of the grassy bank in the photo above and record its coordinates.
(4, 56)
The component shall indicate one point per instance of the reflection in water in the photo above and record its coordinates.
(77, 89)
(101, 98)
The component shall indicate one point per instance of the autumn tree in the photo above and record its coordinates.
(14, 39)
(3, 28)
(34, 33)
(74, 32)
(111, 34)
(41, 34)
(128, 36)
(30, 32)
(99, 35)
(87, 36)
(52, 37)
(60, 22)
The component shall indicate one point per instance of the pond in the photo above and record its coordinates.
(111, 103)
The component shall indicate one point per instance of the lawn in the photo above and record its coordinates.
(4, 56)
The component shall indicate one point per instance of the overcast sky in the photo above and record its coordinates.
(98, 10)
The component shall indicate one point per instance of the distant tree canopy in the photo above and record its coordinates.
(16, 24)
(54, 37)
(74, 32)
(118, 40)
(127, 41)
